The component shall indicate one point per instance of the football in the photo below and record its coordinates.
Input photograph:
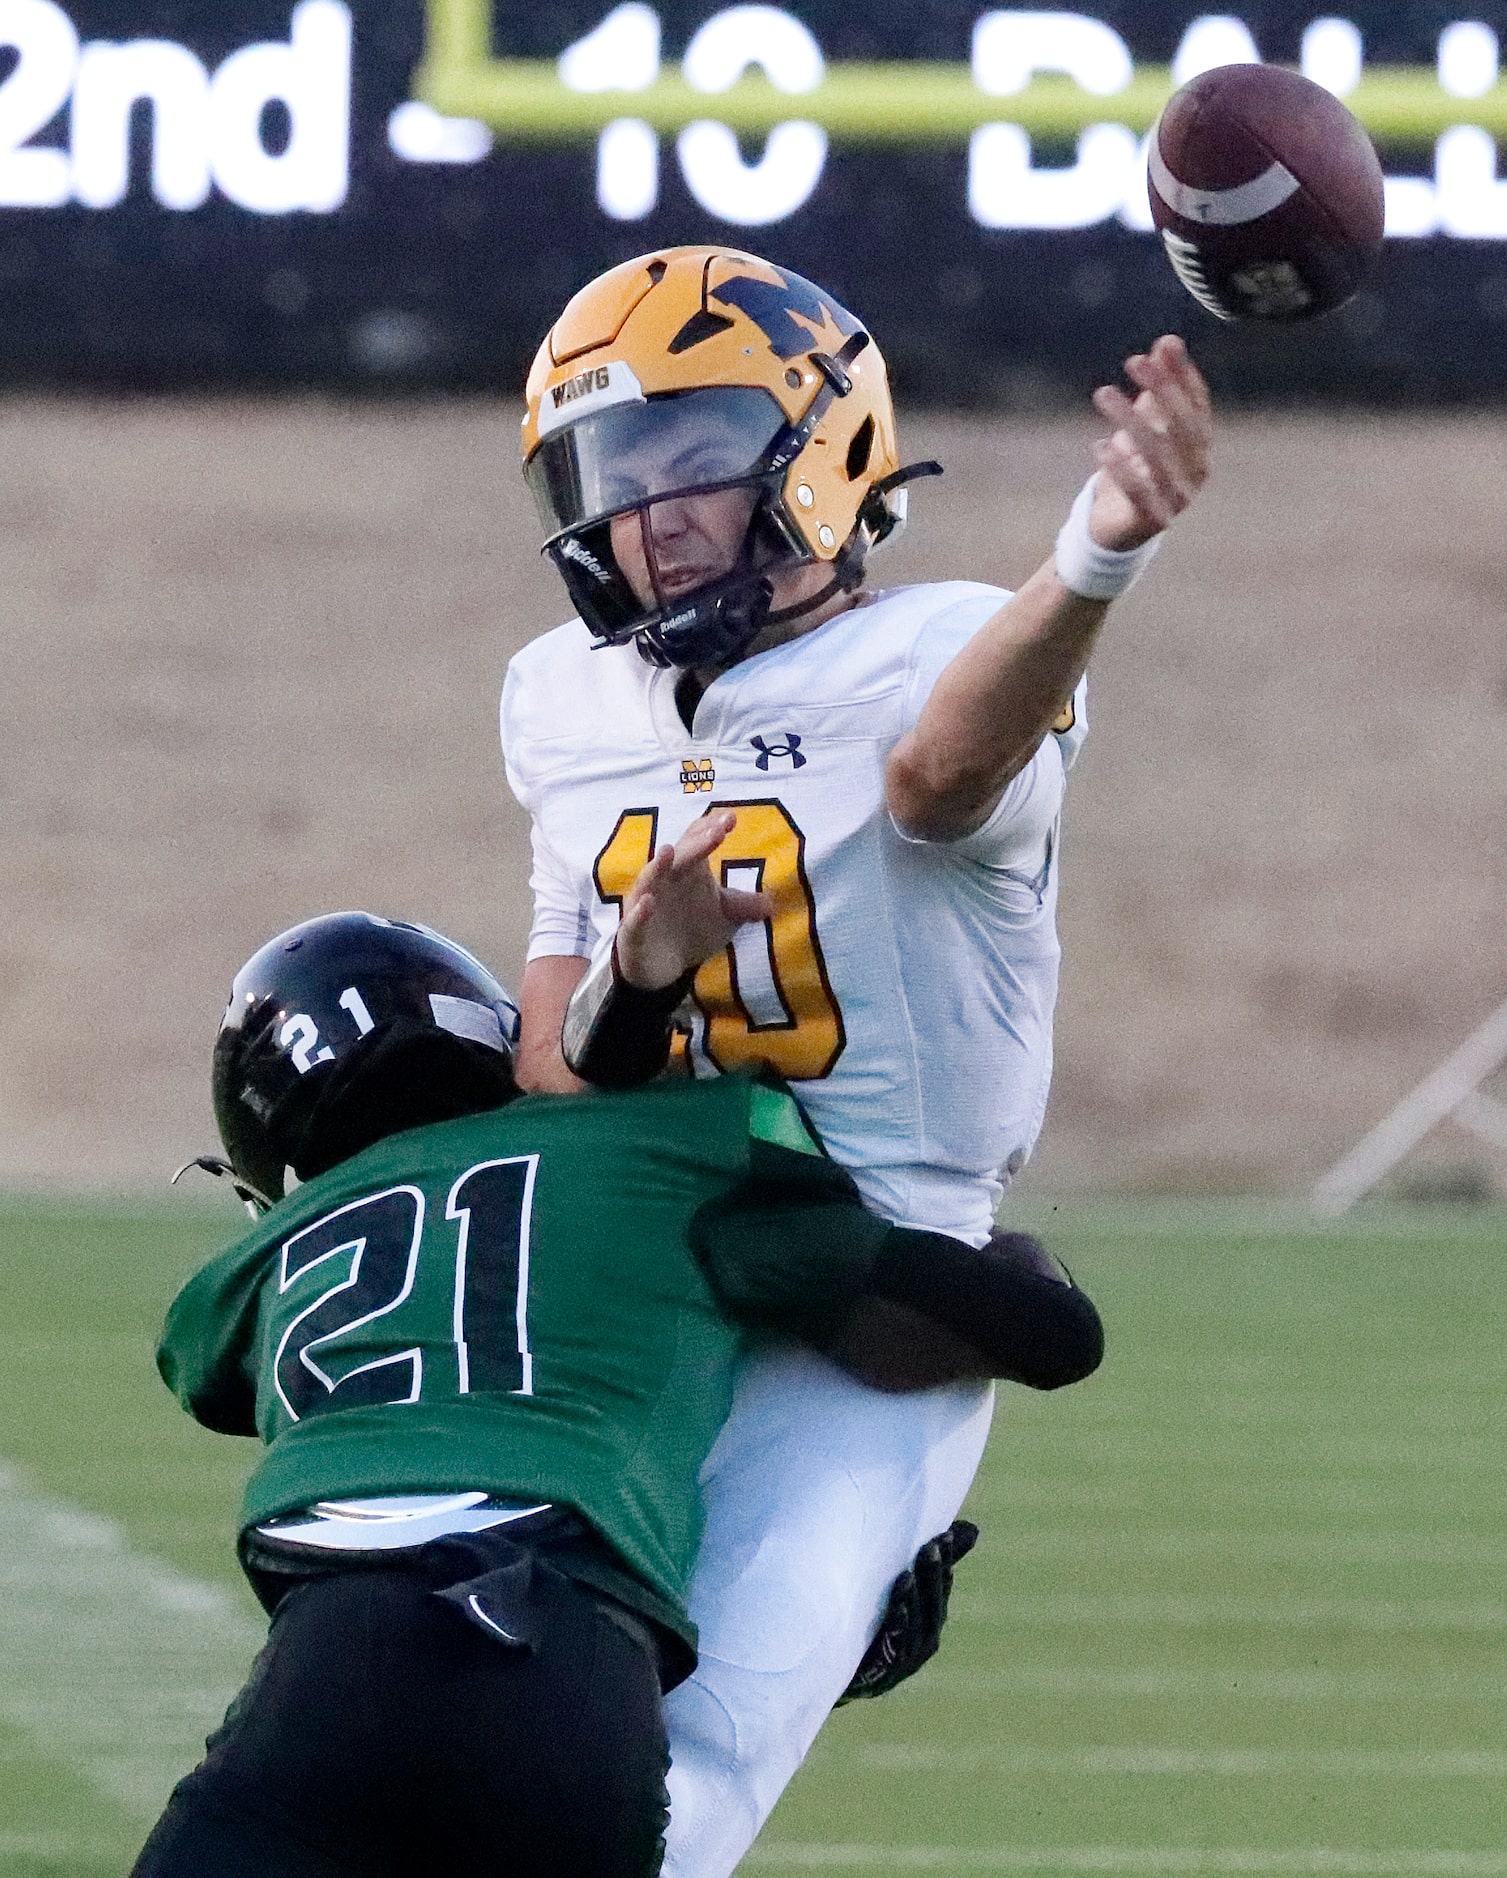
(1267, 193)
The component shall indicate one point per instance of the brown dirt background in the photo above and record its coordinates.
(251, 662)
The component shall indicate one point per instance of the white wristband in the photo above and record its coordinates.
(1092, 572)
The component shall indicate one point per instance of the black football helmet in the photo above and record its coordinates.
(340, 997)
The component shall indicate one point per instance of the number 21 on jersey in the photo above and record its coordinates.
(365, 1289)
(767, 998)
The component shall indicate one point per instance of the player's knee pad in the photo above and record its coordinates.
(713, 1815)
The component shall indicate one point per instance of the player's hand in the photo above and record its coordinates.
(910, 1631)
(677, 913)
(1156, 459)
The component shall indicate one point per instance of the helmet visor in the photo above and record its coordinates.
(627, 454)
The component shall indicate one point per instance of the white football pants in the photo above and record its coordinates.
(819, 1493)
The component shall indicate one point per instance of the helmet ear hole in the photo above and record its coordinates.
(860, 449)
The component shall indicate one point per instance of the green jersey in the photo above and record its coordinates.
(511, 1303)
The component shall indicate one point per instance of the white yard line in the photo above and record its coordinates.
(1247, 1493)
(1233, 1682)
(1315, 1546)
(1177, 1612)
(113, 1662)
(1144, 1758)
(55, 1846)
(1156, 1861)
(1262, 1446)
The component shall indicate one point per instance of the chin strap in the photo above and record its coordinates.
(874, 518)
(713, 627)
(255, 1202)
(723, 619)
(882, 485)
(820, 598)
(876, 513)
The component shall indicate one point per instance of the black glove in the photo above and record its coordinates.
(910, 1632)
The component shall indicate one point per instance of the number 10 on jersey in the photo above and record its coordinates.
(767, 999)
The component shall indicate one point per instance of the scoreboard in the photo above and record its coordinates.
(402, 192)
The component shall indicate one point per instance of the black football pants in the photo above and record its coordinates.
(382, 1734)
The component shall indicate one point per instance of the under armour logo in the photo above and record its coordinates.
(791, 747)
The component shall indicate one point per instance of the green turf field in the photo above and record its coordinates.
(1240, 1605)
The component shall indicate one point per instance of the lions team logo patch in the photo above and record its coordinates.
(696, 773)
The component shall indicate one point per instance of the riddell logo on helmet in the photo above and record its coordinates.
(597, 379)
(572, 550)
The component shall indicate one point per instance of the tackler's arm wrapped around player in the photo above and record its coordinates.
(903, 1309)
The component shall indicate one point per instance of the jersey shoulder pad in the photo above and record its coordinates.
(956, 606)
(952, 611)
(553, 658)
(556, 687)
(873, 648)
(947, 615)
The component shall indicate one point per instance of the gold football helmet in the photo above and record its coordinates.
(700, 369)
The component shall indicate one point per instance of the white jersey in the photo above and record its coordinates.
(905, 987)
